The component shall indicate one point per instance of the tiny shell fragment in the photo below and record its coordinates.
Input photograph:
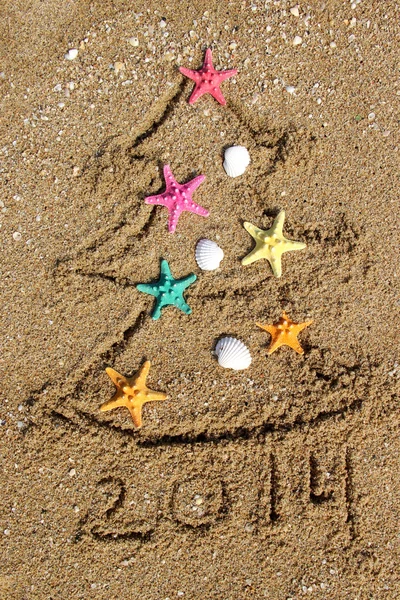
(71, 54)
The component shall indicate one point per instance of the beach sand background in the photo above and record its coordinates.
(278, 482)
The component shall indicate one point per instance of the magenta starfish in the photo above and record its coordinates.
(207, 79)
(178, 198)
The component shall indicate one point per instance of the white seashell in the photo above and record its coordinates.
(232, 354)
(237, 159)
(208, 255)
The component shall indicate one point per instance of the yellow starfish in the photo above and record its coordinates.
(270, 244)
(132, 393)
(284, 333)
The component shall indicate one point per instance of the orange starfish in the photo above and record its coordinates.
(132, 393)
(284, 333)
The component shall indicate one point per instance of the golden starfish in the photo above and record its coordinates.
(284, 333)
(132, 393)
(270, 244)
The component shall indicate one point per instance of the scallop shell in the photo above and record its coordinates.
(208, 255)
(237, 159)
(232, 354)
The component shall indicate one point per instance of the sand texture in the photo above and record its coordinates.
(281, 481)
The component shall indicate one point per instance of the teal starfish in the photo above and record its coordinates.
(168, 290)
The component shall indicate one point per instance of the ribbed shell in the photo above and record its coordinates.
(232, 354)
(208, 255)
(237, 159)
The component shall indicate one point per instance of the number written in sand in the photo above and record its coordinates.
(226, 488)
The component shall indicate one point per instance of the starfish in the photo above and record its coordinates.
(284, 333)
(168, 290)
(132, 393)
(270, 244)
(207, 79)
(178, 198)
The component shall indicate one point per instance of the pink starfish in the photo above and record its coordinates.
(178, 198)
(207, 79)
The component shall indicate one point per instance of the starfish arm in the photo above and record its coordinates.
(183, 306)
(192, 185)
(218, 95)
(268, 328)
(294, 343)
(254, 255)
(276, 265)
(165, 270)
(117, 379)
(275, 344)
(301, 326)
(186, 281)
(158, 199)
(254, 231)
(195, 75)
(156, 314)
(168, 176)
(173, 218)
(277, 226)
(222, 75)
(136, 414)
(289, 245)
(116, 401)
(198, 210)
(155, 396)
(207, 64)
(148, 288)
(197, 92)
(139, 380)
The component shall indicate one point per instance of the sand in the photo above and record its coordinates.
(280, 481)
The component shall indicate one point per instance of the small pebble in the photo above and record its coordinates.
(118, 66)
(134, 42)
(295, 11)
(17, 236)
(290, 89)
(72, 473)
(371, 116)
(71, 54)
(297, 40)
